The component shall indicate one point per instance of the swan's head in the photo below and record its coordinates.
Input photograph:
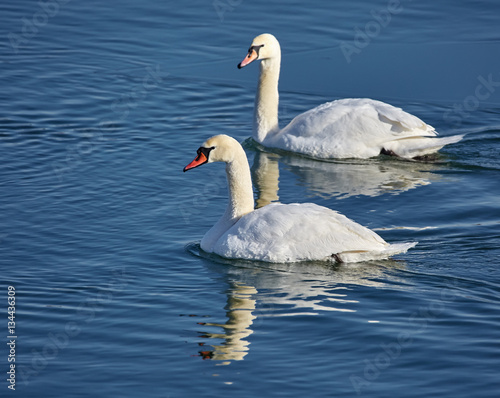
(264, 46)
(219, 148)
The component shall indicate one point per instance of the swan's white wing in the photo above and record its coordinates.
(353, 128)
(299, 232)
(403, 124)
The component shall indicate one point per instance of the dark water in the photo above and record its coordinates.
(104, 103)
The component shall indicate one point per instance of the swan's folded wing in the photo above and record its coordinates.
(354, 127)
(353, 112)
(403, 122)
(296, 232)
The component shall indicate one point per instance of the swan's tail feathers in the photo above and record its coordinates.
(398, 248)
(414, 147)
(359, 255)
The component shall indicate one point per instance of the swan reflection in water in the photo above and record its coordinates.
(340, 178)
(240, 315)
(259, 291)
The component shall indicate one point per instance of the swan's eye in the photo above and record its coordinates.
(255, 48)
(204, 151)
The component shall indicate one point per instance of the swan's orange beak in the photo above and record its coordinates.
(200, 159)
(251, 56)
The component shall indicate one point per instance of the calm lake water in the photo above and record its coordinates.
(103, 104)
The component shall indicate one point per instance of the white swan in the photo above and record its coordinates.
(346, 128)
(277, 232)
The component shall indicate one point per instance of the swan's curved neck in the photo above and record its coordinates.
(239, 182)
(267, 99)
(240, 197)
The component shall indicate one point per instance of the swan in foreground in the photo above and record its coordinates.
(346, 128)
(278, 232)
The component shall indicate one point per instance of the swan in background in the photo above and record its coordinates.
(277, 232)
(346, 128)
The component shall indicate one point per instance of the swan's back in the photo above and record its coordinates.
(349, 128)
(301, 232)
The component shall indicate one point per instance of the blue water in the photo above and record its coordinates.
(103, 104)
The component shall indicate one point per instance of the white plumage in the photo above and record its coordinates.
(299, 232)
(279, 232)
(347, 128)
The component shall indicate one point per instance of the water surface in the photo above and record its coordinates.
(103, 104)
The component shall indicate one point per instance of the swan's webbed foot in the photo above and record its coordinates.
(388, 152)
(432, 157)
(337, 258)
